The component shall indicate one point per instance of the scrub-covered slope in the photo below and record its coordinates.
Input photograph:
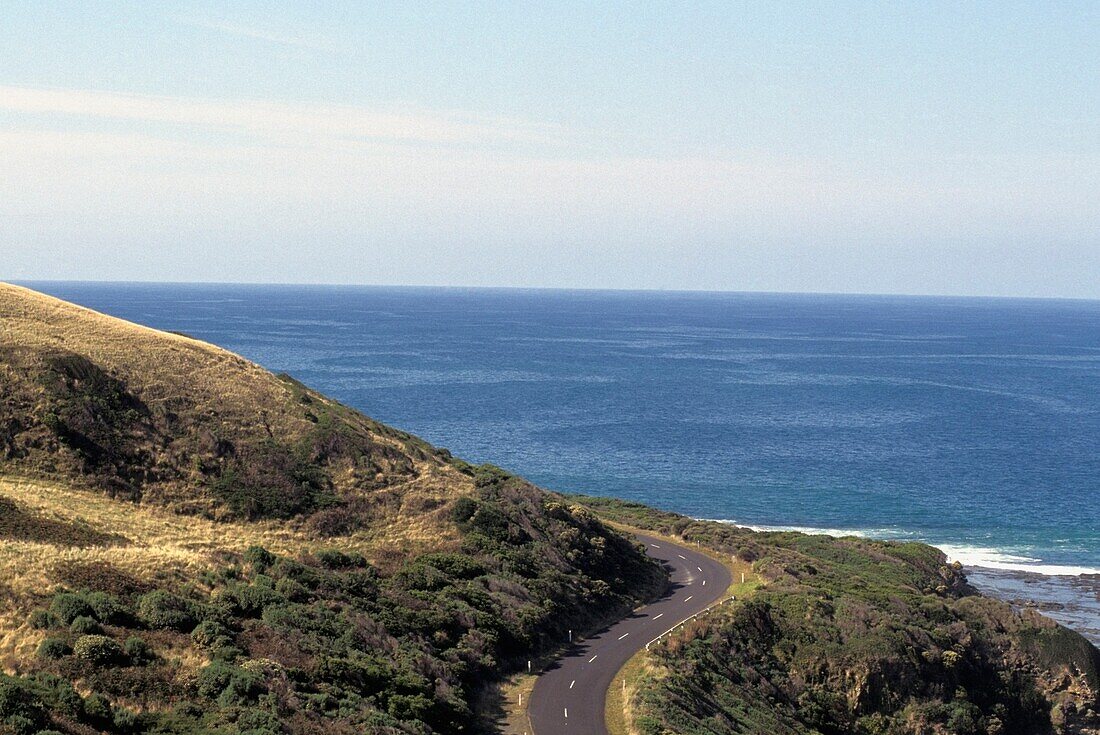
(189, 543)
(858, 636)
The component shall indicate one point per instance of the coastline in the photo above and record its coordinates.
(1066, 593)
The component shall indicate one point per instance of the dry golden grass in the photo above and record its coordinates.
(158, 366)
(152, 362)
(619, 706)
(165, 545)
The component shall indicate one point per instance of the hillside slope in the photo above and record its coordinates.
(165, 419)
(191, 544)
(858, 636)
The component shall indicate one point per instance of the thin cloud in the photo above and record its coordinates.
(286, 122)
(258, 34)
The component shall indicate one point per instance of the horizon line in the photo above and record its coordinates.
(589, 289)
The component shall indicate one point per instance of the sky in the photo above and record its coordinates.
(931, 148)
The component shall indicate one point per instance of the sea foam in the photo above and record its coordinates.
(968, 556)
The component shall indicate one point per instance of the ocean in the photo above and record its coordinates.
(972, 424)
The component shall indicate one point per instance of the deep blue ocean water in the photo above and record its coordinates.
(970, 423)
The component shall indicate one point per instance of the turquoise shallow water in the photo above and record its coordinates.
(970, 423)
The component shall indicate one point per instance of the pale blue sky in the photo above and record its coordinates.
(914, 148)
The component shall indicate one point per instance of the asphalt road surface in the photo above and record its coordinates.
(569, 696)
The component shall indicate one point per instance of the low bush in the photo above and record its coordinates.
(85, 625)
(334, 559)
(229, 684)
(259, 558)
(40, 620)
(210, 634)
(108, 608)
(166, 611)
(20, 708)
(68, 606)
(138, 651)
(249, 600)
(98, 650)
(54, 648)
(97, 710)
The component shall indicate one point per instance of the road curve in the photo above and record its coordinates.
(569, 696)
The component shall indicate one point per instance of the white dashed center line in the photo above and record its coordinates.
(657, 616)
(572, 683)
(688, 599)
(682, 557)
(593, 658)
(624, 635)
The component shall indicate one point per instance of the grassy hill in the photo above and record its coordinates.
(189, 543)
(165, 419)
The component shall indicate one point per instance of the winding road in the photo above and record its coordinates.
(569, 697)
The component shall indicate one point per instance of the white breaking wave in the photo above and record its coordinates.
(968, 556)
(977, 556)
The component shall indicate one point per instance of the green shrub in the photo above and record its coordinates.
(20, 706)
(20, 725)
(249, 600)
(166, 611)
(40, 619)
(230, 685)
(259, 558)
(334, 559)
(54, 648)
(108, 609)
(85, 625)
(209, 634)
(243, 687)
(97, 709)
(227, 653)
(68, 606)
(98, 649)
(463, 509)
(138, 651)
(69, 701)
(409, 706)
(292, 590)
(125, 721)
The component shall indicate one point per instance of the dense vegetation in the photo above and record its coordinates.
(859, 636)
(327, 642)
